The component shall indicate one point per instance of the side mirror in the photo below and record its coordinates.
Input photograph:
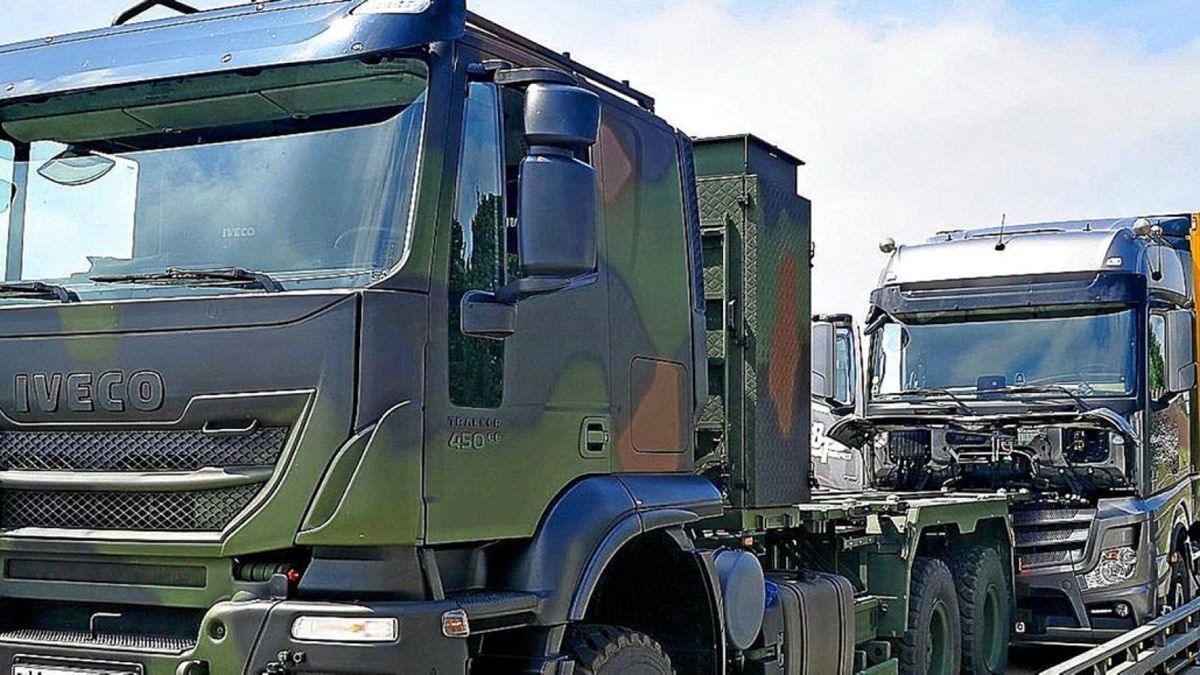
(485, 316)
(558, 219)
(1181, 351)
(824, 361)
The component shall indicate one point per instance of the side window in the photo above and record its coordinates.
(8, 194)
(515, 149)
(478, 251)
(1169, 421)
(845, 366)
(1158, 357)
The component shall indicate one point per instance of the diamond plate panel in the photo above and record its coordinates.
(719, 201)
(716, 344)
(714, 283)
(714, 411)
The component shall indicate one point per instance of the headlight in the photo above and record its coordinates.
(1116, 565)
(345, 629)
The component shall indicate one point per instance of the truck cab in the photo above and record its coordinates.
(1054, 363)
(337, 337)
(836, 392)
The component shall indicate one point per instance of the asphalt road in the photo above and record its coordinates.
(1031, 660)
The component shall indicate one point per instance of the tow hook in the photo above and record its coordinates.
(284, 661)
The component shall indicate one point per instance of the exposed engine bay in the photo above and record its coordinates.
(1088, 455)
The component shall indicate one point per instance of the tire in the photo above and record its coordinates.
(608, 650)
(985, 605)
(1182, 589)
(932, 644)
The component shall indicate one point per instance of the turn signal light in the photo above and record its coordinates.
(455, 624)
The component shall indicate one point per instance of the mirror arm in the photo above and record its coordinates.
(485, 71)
(517, 77)
(530, 287)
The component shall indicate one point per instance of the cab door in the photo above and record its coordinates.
(512, 422)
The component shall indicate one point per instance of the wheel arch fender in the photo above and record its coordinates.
(591, 522)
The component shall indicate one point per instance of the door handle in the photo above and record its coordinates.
(594, 440)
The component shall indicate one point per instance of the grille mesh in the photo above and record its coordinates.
(204, 511)
(116, 451)
(1052, 537)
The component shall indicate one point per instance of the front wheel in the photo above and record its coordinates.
(1182, 585)
(985, 601)
(932, 645)
(609, 650)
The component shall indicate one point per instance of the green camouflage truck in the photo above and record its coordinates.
(367, 336)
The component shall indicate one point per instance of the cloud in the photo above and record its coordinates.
(911, 127)
(912, 119)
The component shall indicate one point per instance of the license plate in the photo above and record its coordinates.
(59, 670)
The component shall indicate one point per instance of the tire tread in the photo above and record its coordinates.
(594, 646)
(927, 574)
(968, 565)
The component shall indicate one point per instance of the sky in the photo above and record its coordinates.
(914, 116)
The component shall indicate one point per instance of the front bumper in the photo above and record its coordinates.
(254, 637)
(1054, 606)
(1051, 609)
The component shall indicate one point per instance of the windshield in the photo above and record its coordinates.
(1084, 355)
(292, 180)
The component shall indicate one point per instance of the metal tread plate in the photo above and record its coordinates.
(133, 643)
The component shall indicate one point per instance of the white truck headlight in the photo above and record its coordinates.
(1116, 565)
(345, 629)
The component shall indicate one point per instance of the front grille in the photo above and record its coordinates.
(202, 511)
(116, 451)
(61, 638)
(1051, 537)
(133, 452)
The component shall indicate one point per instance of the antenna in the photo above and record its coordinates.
(1000, 245)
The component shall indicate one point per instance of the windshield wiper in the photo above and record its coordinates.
(1046, 389)
(958, 401)
(37, 290)
(173, 275)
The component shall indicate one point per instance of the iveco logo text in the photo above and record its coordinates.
(113, 391)
(238, 233)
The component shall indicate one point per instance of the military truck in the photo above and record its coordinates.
(368, 336)
(1056, 362)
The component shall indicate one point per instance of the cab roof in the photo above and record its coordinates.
(246, 36)
(1041, 249)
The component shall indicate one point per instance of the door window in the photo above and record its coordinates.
(845, 367)
(478, 251)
